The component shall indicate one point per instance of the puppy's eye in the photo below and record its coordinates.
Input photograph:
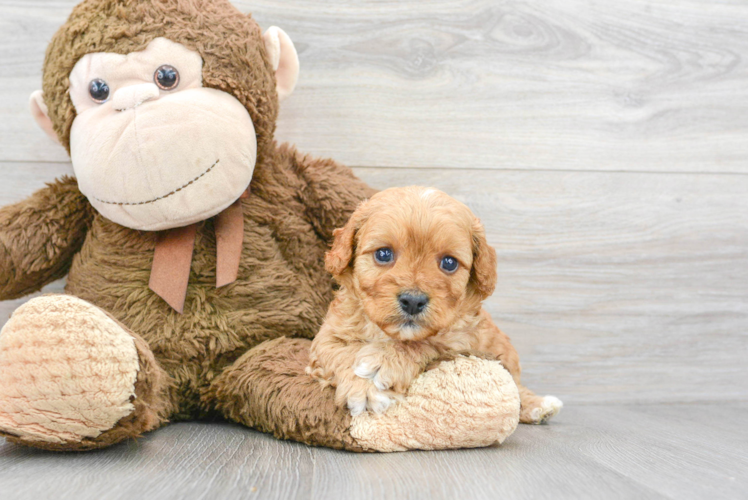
(449, 264)
(384, 256)
(166, 77)
(98, 90)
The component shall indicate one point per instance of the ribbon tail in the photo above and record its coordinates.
(172, 260)
(229, 226)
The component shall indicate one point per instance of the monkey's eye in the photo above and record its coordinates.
(449, 264)
(99, 90)
(166, 77)
(384, 255)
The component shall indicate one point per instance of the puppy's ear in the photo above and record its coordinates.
(483, 275)
(340, 255)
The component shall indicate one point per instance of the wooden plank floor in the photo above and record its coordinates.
(605, 147)
(592, 451)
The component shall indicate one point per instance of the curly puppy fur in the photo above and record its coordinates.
(370, 347)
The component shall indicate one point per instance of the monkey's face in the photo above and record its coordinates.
(151, 147)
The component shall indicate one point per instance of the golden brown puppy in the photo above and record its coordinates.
(413, 266)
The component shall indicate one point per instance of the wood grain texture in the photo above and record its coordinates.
(568, 85)
(195, 461)
(593, 451)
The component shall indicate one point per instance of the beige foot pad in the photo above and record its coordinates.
(67, 371)
(464, 403)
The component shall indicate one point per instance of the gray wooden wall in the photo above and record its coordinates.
(604, 145)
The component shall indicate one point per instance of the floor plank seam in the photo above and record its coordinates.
(569, 402)
(313, 454)
(550, 170)
(477, 169)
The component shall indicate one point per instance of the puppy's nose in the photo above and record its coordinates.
(413, 302)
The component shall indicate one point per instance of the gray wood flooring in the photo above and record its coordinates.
(591, 451)
(605, 147)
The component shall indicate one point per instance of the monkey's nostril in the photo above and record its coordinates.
(413, 303)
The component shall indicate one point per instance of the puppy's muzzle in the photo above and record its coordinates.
(413, 303)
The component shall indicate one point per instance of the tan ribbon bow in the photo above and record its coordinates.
(172, 260)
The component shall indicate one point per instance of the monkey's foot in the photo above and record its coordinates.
(465, 402)
(68, 375)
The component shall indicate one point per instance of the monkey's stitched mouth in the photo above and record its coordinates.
(122, 203)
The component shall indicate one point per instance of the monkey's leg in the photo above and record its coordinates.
(73, 378)
(463, 402)
(268, 389)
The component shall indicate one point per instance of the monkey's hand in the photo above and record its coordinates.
(40, 235)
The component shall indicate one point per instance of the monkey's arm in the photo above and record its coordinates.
(331, 192)
(40, 235)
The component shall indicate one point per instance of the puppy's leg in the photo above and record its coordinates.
(384, 371)
(332, 360)
(360, 394)
(393, 365)
(534, 409)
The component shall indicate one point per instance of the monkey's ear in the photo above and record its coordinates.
(41, 114)
(284, 59)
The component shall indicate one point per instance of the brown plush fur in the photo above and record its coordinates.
(268, 385)
(40, 235)
(294, 205)
(368, 347)
(282, 289)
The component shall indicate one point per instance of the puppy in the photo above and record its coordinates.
(413, 267)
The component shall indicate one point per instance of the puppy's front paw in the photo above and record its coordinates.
(370, 368)
(373, 400)
(361, 394)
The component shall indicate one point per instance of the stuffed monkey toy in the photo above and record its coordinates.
(194, 249)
